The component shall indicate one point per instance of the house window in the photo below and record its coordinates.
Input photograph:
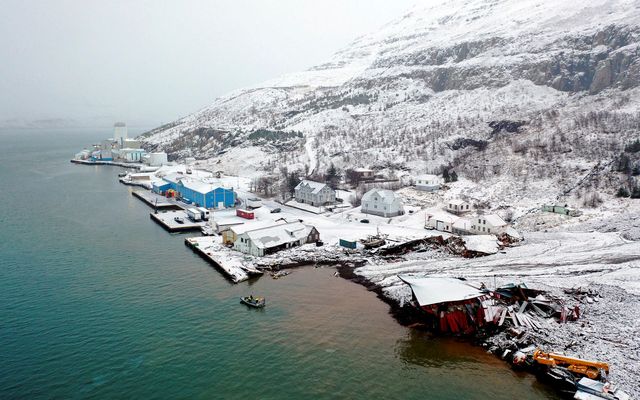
(489, 230)
(484, 221)
(483, 229)
(479, 221)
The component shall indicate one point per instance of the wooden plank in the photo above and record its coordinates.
(525, 320)
(503, 316)
(523, 307)
(513, 318)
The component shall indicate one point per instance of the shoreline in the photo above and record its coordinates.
(374, 272)
(598, 334)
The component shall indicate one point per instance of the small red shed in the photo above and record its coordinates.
(245, 214)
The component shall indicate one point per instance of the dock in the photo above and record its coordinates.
(113, 163)
(227, 261)
(166, 219)
(155, 200)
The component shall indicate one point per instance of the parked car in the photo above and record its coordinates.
(275, 211)
(364, 221)
(179, 220)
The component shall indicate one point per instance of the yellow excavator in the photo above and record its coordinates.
(590, 369)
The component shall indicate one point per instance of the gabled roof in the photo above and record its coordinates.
(444, 217)
(493, 219)
(457, 202)
(280, 234)
(315, 186)
(434, 290)
(428, 177)
(386, 196)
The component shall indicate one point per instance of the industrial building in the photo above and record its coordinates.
(155, 159)
(196, 191)
(120, 133)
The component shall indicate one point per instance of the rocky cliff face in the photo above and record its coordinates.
(398, 98)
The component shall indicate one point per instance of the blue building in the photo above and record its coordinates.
(200, 193)
(161, 187)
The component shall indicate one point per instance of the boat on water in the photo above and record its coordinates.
(256, 302)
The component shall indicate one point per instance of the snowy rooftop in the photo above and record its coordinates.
(428, 177)
(252, 225)
(431, 290)
(493, 219)
(443, 216)
(315, 186)
(197, 184)
(277, 235)
(456, 202)
(387, 196)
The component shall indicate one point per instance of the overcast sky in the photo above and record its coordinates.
(149, 62)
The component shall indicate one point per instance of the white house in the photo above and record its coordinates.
(382, 202)
(315, 193)
(260, 242)
(441, 221)
(428, 183)
(489, 224)
(458, 206)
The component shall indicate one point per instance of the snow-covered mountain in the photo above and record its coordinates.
(432, 88)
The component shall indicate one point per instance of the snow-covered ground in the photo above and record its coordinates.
(593, 251)
(606, 263)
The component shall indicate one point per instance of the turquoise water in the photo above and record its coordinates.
(97, 301)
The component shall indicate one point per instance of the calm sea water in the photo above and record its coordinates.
(97, 301)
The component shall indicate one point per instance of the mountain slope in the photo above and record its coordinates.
(421, 92)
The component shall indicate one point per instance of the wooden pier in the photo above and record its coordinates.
(166, 219)
(227, 261)
(155, 201)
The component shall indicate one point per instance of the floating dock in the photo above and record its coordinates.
(166, 219)
(154, 200)
(226, 260)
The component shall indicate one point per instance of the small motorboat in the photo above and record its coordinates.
(256, 302)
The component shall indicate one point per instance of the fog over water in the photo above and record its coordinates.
(89, 63)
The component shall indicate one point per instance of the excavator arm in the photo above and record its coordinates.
(590, 369)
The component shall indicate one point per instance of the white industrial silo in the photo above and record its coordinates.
(120, 132)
